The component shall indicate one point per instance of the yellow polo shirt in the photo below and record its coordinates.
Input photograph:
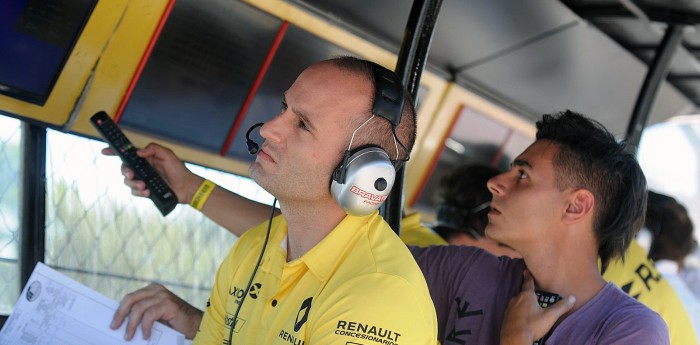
(359, 285)
(638, 278)
(415, 234)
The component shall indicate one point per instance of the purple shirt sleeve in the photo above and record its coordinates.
(470, 289)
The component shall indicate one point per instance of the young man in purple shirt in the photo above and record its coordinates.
(574, 195)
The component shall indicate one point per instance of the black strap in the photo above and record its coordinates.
(388, 98)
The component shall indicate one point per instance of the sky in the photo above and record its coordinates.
(670, 162)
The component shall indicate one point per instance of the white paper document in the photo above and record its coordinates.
(56, 310)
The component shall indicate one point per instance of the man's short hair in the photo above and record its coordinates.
(379, 131)
(590, 157)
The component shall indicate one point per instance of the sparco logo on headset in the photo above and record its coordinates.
(367, 195)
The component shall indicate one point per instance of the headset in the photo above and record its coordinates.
(364, 177)
(457, 217)
(253, 147)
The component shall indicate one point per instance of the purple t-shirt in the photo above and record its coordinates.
(471, 289)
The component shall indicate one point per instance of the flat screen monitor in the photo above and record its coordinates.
(36, 38)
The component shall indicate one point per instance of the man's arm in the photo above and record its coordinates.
(232, 211)
(525, 321)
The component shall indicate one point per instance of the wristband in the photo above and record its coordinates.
(202, 194)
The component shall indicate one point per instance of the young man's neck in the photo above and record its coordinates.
(566, 273)
(308, 224)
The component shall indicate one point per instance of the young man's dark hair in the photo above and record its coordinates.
(671, 228)
(590, 157)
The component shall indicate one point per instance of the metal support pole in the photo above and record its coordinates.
(658, 69)
(409, 67)
(33, 199)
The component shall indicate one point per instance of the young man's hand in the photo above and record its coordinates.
(525, 321)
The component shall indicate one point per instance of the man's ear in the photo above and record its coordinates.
(580, 206)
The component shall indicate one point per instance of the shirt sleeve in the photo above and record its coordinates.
(638, 326)
(470, 289)
(644, 329)
(374, 309)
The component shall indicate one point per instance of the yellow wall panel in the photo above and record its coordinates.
(129, 38)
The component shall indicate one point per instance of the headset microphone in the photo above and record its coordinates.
(252, 146)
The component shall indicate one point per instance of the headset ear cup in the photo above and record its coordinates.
(369, 176)
(339, 172)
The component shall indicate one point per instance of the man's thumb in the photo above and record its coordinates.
(559, 309)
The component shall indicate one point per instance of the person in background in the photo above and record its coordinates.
(414, 232)
(463, 207)
(638, 277)
(691, 276)
(672, 240)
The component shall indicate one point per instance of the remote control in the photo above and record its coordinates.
(161, 195)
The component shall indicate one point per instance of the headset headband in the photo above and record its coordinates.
(457, 217)
(388, 97)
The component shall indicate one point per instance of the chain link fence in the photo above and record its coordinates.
(10, 138)
(113, 242)
(99, 234)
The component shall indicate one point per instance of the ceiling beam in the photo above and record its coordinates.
(661, 14)
(658, 70)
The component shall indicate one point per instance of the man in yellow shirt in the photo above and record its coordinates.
(413, 232)
(638, 277)
(333, 270)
